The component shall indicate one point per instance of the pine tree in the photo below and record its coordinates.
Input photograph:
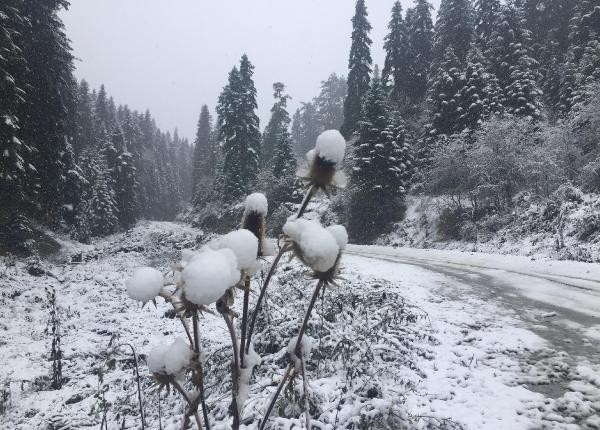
(487, 18)
(276, 133)
(359, 66)
(16, 172)
(306, 127)
(330, 102)
(396, 60)
(381, 166)
(126, 189)
(453, 29)
(204, 157)
(238, 132)
(74, 185)
(85, 127)
(509, 51)
(480, 96)
(420, 42)
(102, 210)
(443, 98)
(49, 106)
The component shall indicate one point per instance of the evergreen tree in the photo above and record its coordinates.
(359, 66)
(396, 60)
(102, 211)
(238, 132)
(204, 156)
(74, 185)
(443, 99)
(509, 51)
(84, 130)
(16, 172)
(276, 133)
(420, 44)
(487, 18)
(381, 166)
(126, 189)
(480, 95)
(330, 102)
(306, 127)
(453, 29)
(49, 105)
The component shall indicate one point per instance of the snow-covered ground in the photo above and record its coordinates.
(411, 339)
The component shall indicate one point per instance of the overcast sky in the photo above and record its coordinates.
(172, 56)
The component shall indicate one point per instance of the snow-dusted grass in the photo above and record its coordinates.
(395, 345)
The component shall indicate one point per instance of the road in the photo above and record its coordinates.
(559, 301)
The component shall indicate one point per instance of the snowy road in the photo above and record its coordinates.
(557, 301)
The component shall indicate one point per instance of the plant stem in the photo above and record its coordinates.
(315, 296)
(305, 385)
(192, 408)
(307, 198)
(199, 380)
(261, 296)
(244, 321)
(275, 396)
(235, 369)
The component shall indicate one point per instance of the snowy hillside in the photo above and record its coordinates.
(396, 346)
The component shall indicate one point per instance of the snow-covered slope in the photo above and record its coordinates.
(396, 346)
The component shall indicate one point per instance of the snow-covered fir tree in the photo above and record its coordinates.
(330, 102)
(239, 135)
(102, 212)
(487, 18)
(359, 66)
(419, 25)
(276, 130)
(454, 30)
(305, 128)
(396, 66)
(510, 54)
(381, 164)
(204, 156)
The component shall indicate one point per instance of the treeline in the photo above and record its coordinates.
(493, 99)
(70, 159)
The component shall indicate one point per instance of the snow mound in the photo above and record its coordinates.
(170, 359)
(145, 284)
(331, 146)
(209, 274)
(306, 346)
(244, 245)
(318, 245)
(257, 202)
(340, 234)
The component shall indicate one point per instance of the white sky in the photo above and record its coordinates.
(172, 56)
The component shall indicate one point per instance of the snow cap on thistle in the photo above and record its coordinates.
(170, 359)
(255, 211)
(325, 158)
(313, 244)
(244, 245)
(209, 274)
(145, 284)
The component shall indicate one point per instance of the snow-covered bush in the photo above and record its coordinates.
(212, 275)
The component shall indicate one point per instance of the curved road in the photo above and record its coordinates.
(559, 301)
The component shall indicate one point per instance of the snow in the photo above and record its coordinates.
(340, 234)
(145, 284)
(405, 344)
(170, 359)
(318, 246)
(209, 274)
(244, 245)
(257, 202)
(331, 146)
(306, 347)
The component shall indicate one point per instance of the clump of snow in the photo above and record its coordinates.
(209, 274)
(251, 359)
(170, 359)
(318, 245)
(244, 245)
(331, 146)
(145, 284)
(306, 346)
(257, 202)
(340, 234)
